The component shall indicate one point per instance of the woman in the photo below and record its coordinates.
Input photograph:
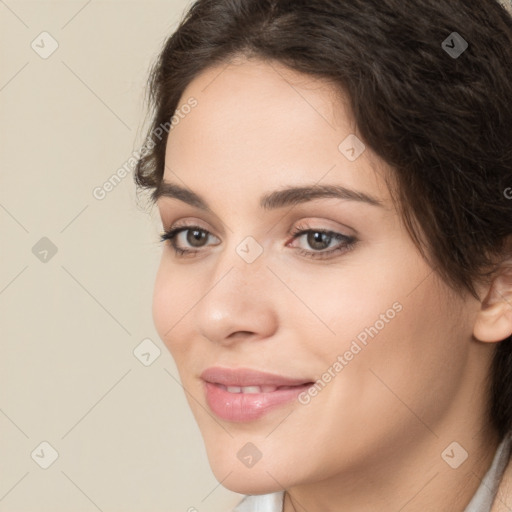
(334, 181)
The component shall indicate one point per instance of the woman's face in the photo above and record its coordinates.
(361, 313)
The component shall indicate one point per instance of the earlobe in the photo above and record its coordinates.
(494, 320)
(494, 323)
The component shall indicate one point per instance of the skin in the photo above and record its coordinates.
(372, 439)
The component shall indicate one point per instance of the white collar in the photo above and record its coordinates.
(486, 493)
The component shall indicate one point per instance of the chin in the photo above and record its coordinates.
(258, 479)
(246, 482)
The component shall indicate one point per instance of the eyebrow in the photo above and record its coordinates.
(278, 199)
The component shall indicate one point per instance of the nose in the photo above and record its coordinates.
(240, 302)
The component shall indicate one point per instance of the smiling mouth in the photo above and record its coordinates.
(246, 394)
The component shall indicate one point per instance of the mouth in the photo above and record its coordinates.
(243, 395)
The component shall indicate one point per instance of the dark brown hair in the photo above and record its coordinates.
(443, 122)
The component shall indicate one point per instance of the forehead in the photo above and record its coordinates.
(265, 125)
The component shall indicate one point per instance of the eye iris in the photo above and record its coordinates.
(316, 237)
(195, 235)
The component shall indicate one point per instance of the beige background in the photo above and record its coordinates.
(125, 438)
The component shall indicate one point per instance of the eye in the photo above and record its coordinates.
(194, 235)
(320, 239)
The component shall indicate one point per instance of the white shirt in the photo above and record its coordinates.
(481, 502)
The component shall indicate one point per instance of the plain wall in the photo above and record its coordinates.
(70, 321)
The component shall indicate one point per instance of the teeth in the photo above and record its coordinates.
(251, 389)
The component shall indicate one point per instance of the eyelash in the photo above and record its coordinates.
(347, 244)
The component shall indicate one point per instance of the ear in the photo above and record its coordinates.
(494, 319)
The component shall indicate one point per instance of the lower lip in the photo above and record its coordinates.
(248, 406)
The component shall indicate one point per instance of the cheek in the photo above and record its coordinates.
(168, 306)
(357, 302)
(418, 358)
(404, 334)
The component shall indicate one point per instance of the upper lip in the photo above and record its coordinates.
(242, 377)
